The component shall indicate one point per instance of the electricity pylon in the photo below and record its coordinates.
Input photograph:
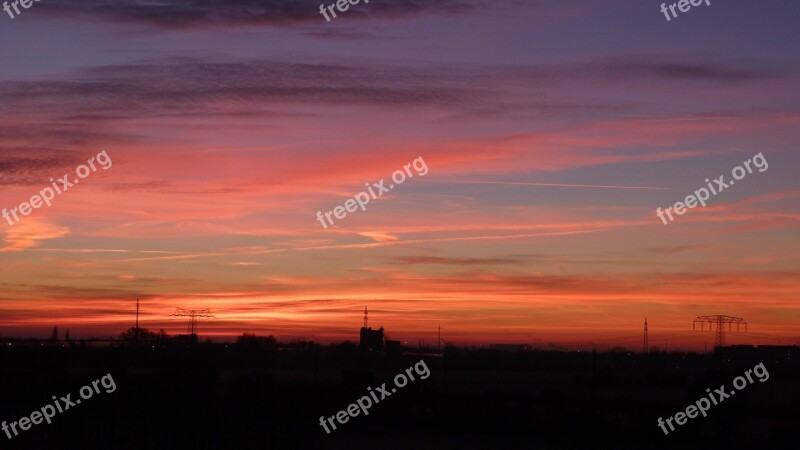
(719, 321)
(193, 315)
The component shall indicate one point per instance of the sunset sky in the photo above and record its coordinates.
(552, 130)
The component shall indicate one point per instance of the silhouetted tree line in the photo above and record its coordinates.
(143, 336)
(250, 340)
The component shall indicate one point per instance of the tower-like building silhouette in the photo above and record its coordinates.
(371, 340)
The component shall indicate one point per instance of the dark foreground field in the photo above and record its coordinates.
(228, 397)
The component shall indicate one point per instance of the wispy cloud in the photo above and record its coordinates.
(29, 233)
(116, 92)
(451, 261)
(196, 13)
(522, 183)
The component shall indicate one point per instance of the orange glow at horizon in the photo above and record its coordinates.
(535, 222)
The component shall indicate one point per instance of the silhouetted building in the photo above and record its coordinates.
(789, 353)
(371, 339)
(392, 348)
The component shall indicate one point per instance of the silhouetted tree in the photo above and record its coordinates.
(54, 335)
(144, 336)
(251, 340)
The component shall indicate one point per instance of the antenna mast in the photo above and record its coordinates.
(137, 319)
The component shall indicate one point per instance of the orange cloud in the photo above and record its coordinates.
(29, 233)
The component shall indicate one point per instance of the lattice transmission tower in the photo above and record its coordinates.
(194, 315)
(719, 321)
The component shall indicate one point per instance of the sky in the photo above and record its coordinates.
(549, 132)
